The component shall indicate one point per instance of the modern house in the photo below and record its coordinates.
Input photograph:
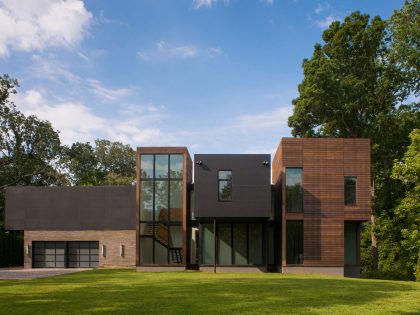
(298, 213)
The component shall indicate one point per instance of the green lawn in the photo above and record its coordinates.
(127, 291)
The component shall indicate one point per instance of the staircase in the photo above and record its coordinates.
(161, 236)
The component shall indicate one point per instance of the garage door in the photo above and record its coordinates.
(65, 254)
(83, 254)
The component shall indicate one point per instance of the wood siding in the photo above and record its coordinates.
(325, 162)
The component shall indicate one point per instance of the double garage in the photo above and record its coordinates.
(72, 254)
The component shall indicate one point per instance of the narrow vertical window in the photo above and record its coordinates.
(294, 242)
(294, 191)
(225, 185)
(350, 190)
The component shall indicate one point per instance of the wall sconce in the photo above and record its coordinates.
(103, 250)
(199, 162)
(28, 250)
(122, 250)
(265, 163)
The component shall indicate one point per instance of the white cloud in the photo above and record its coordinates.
(77, 122)
(164, 50)
(270, 2)
(107, 94)
(326, 21)
(322, 7)
(275, 118)
(28, 25)
(199, 4)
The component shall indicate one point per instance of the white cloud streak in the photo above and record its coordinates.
(28, 25)
(164, 50)
(107, 94)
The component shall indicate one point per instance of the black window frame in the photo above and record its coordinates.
(155, 221)
(301, 190)
(354, 203)
(229, 181)
(299, 246)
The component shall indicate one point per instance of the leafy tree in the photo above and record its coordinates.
(404, 31)
(29, 147)
(353, 87)
(82, 164)
(107, 163)
(407, 213)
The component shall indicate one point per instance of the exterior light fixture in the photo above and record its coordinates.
(265, 163)
(199, 162)
(122, 250)
(103, 250)
(28, 250)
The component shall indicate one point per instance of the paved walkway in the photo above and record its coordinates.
(20, 273)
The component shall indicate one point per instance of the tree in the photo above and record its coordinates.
(404, 32)
(107, 163)
(29, 147)
(407, 213)
(353, 87)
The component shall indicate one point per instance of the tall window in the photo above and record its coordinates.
(294, 242)
(350, 190)
(225, 185)
(294, 192)
(161, 208)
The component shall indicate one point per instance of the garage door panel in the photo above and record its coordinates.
(65, 254)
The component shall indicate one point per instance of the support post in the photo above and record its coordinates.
(215, 243)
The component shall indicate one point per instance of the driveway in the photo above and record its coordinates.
(20, 273)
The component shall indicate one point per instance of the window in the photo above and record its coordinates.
(225, 185)
(350, 190)
(294, 191)
(161, 204)
(294, 242)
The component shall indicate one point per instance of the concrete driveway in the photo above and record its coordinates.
(20, 273)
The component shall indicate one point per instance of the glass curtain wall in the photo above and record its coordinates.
(237, 244)
(161, 190)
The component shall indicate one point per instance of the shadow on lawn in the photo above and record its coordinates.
(125, 291)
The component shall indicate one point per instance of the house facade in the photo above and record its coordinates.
(299, 212)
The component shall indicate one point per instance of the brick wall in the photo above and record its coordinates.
(111, 239)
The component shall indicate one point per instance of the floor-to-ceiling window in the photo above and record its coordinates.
(161, 191)
(236, 243)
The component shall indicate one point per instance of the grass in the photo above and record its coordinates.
(116, 291)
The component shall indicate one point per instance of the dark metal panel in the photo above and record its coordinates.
(71, 208)
(251, 186)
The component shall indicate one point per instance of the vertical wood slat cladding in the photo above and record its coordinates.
(325, 162)
(186, 180)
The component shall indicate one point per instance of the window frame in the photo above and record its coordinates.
(355, 191)
(301, 186)
(224, 180)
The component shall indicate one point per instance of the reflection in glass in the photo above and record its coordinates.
(350, 190)
(225, 174)
(161, 200)
(294, 242)
(177, 165)
(294, 193)
(146, 200)
(225, 248)
(225, 190)
(146, 164)
(239, 244)
(208, 244)
(161, 166)
(175, 238)
(255, 244)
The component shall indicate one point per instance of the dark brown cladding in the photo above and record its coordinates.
(251, 187)
(70, 208)
(325, 162)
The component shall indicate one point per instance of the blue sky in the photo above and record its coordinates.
(215, 76)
